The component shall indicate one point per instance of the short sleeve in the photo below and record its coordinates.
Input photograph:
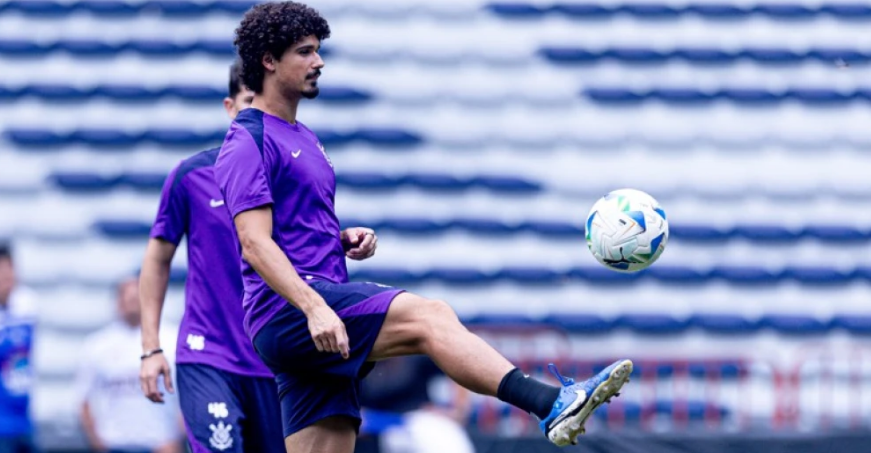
(172, 219)
(241, 172)
(85, 373)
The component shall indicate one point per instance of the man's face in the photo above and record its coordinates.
(128, 301)
(240, 102)
(7, 279)
(299, 69)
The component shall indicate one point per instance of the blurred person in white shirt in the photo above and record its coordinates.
(115, 416)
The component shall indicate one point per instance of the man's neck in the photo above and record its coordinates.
(271, 102)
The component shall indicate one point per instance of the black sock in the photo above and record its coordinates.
(526, 393)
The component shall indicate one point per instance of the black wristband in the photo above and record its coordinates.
(150, 353)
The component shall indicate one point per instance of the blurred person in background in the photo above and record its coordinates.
(228, 397)
(113, 414)
(17, 321)
(403, 406)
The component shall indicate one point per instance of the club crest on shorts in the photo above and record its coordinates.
(221, 438)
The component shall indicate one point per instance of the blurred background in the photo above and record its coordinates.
(475, 137)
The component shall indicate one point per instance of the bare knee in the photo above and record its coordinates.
(436, 318)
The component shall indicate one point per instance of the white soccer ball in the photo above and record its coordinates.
(627, 230)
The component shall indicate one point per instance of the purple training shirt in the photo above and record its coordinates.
(268, 161)
(211, 331)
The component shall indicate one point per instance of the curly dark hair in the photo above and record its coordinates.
(273, 28)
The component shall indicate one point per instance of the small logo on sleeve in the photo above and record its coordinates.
(296, 153)
(216, 203)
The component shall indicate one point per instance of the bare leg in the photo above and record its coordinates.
(330, 435)
(415, 325)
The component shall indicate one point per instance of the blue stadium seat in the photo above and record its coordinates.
(370, 181)
(176, 8)
(552, 228)
(107, 7)
(83, 181)
(600, 275)
(723, 324)
(55, 92)
(530, 275)
(569, 55)
(721, 370)
(482, 226)
(847, 11)
(104, 137)
(636, 55)
(816, 275)
(181, 137)
(698, 233)
(124, 93)
(613, 95)
(502, 320)
(851, 56)
(820, 96)
(39, 7)
(717, 11)
(459, 276)
(36, 138)
(679, 275)
(516, 10)
(120, 229)
(413, 226)
(580, 323)
(794, 324)
(680, 96)
(783, 11)
(836, 233)
(652, 324)
(343, 94)
(177, 276)
(195, 92)
(91, 48)
(388, 137)
(582, 10)
(705, 56)
(770, 56)
(649, 10)
(385, 276)
(142, 181)
(445, 182)
(155, 47)
(507, 184)
(766, 233)
(748, 96)
(855, 324)
(743, 275)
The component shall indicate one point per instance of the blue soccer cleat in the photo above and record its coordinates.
(577, 401)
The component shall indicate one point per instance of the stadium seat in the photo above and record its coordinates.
(723, 323)
(122, 229)
(855, 324)
(794, 324)
(580, 323)
(655, 324)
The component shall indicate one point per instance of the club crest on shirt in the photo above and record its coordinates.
(221, 438)
(321, 147)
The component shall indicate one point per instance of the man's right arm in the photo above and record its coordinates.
(153, 281)
(254, 229)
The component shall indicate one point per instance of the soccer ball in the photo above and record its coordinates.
(627, 230)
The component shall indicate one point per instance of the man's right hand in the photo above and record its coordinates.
(328, 330)
(150, 371)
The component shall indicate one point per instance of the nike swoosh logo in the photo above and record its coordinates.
(296, 153)
(216, 203)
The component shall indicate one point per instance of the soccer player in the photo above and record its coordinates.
(316, 331)
(227, 395)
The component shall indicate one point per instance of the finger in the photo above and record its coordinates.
(153, 394)
(353, 236)
(334, 343)
(167, 379)
(319, 343)
(368, 241)
(344, 344)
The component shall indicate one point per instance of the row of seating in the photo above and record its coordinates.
(154, 181)
(703, 56)
(599, 275)
(744, 96)
(659, 11)
(184, 137)
(137, 93)
(848, 11)
(119, 229)
(350, 94)
(563, 55)
(608, 136)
